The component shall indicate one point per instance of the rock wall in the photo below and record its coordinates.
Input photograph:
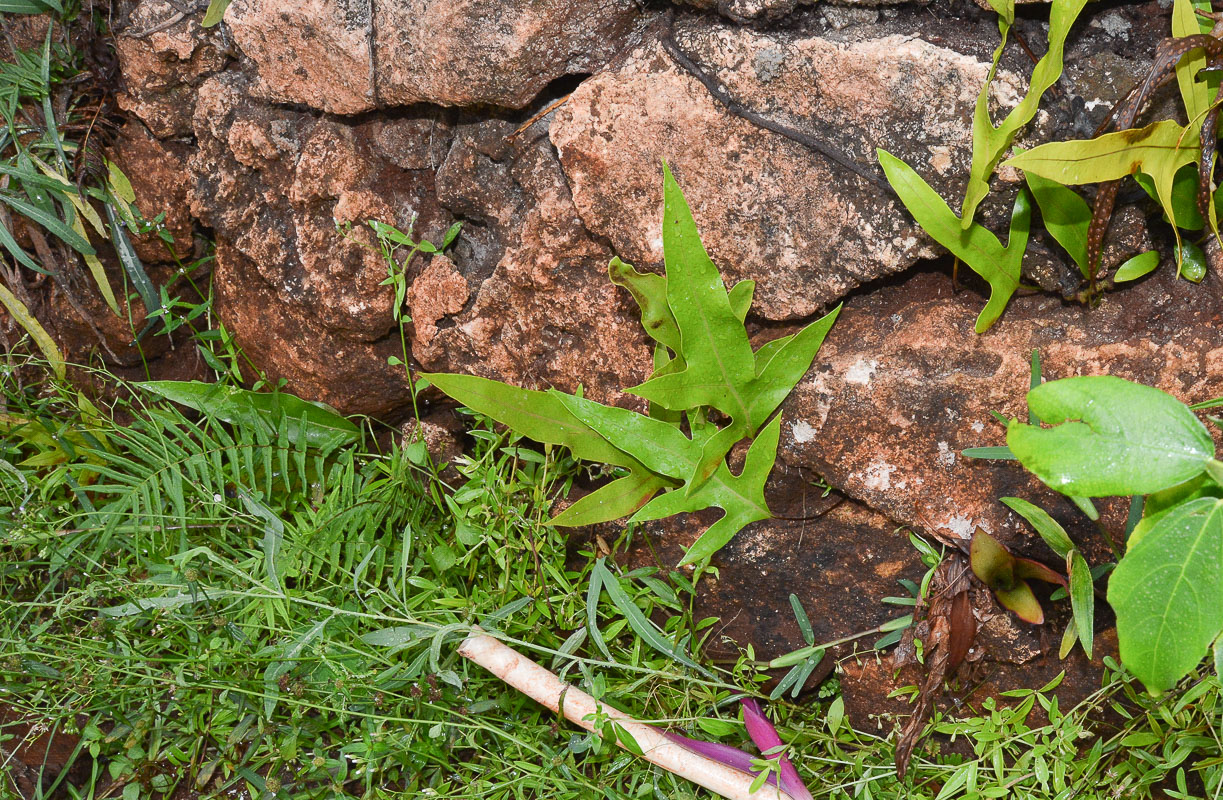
(541, 125)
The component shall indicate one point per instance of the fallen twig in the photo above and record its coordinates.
(581, 709)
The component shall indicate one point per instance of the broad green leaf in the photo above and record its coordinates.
(1167, 593)
(1082, 599)
(215, 13)
(1159, 150)
(1184, 197)
(650, 292)
(714, 344)
(990, 143)
(1156, 504)
(37, 332)
(1136, 267)
(740, 496)
(617, 499)
(661, 447)
(535, 415)
(1191, 261)
(1065, 214)
(1195, 94)
(1112, 437)
(1049, 529)
(312, 423)
(974, 245)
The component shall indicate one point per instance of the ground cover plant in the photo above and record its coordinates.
(226, 605)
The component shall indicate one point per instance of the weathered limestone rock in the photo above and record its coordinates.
(499, 52)
(348, 56)
(303, 300)
(315, 52)
(547, 315)
(522, 296)
(902, 385)
(161, 181)
(163, 67)
(808, 230)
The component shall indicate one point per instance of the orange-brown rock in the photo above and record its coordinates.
(902, 385)
(806, 229)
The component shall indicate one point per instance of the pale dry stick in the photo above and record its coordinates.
(581, 709)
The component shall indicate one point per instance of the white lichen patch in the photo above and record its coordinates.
(802, 431)
(977, 426)
(946, 456)
(960, 526)
(878, 476)
(861, 371)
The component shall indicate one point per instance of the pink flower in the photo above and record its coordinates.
(765, 737)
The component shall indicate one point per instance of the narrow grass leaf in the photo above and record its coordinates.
(637, 621)
(1082, 599)
(1049, 529)
(37, 332)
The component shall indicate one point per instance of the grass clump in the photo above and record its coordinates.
(222, 607)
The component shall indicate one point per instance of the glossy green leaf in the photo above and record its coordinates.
(1136, 267)
(1082, 599)
(740, 496)
(617, 499)
(989, 143)
(1192, 262)
(215, 13)
(1112, 437)
(312, 423)
(974, 245)
(1167, 593)
(1049, 529)
(1066, 216)
(536, 415)
(1184, 197)
(1159, 150)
